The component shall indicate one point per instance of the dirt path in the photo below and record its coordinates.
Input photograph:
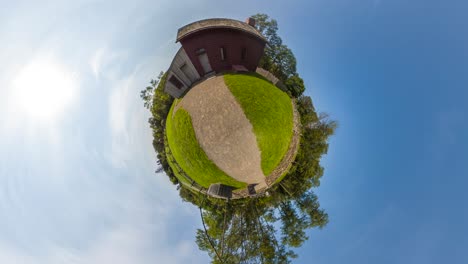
(223, 130)
(285, 163)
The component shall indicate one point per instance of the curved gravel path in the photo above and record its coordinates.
(223, 130)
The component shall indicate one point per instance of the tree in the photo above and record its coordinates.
(147, 96)
(283, 62)
(265, 229)
(246, 232)
(295, 85)
(268, 228)
(277, 57)
(159, 103)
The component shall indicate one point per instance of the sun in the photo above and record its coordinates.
(43, 89)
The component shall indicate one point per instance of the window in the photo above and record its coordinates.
(243, 53)
(176, 82)
(222, 50)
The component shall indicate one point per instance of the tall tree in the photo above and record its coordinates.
(295, 85)
(264, 229)
(278, 58)
(247, 233)
(159, 103)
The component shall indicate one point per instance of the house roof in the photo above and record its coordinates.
(217, 23)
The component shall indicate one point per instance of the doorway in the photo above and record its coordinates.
(205, 62)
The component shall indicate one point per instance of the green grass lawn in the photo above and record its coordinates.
(188, 153)
(270, 112)
(175, 168)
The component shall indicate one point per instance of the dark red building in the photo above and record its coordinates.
(212, 46)
(222, 43)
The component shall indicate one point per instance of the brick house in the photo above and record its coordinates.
(212, 46)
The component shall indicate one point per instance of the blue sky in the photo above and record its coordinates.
(77, 182)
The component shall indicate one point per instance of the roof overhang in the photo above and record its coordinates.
(212, 23)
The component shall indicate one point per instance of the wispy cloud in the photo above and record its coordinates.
(135, 239)
(105, 60)
(83, 189)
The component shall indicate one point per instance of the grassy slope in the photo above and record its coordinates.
(270, 113)
(169, 153)
(190, 156)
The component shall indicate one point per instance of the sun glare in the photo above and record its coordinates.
(43, 89)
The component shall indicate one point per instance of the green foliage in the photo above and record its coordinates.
(265, 229)
(246, 231)
(190, 156)
(306, 170)
(283, 62)
(269, 110)
(159, 103)
(295, 85)
(278, 58)
(147, 96)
